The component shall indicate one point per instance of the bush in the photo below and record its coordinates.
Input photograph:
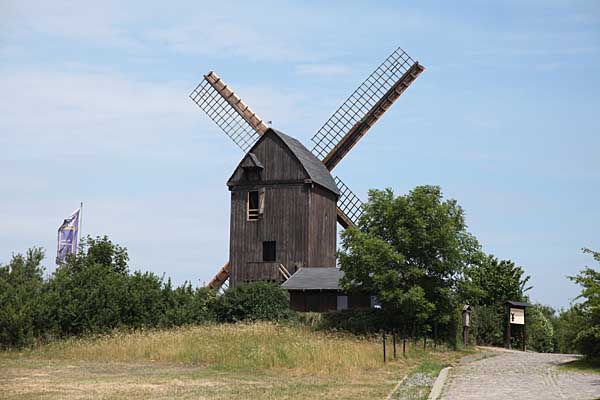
(21, 285)
(92, 292)
(255, 301)
(540, 332)
(570, 323)
(588, 342)
(487, 325)
(357, 321)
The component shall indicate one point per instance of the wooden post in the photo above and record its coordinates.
(384, 347)
(394, 341)
(507, 339)
(424, 342)
(524, 337)
(404, 347)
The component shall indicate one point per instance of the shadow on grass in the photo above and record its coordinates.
(582, 365)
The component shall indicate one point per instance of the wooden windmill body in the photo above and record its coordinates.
(283, 211)
(284, 201)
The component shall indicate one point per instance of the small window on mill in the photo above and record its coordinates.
(269, 251)
(252, 203)
(255, 204)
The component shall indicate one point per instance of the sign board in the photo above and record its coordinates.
(517, 316)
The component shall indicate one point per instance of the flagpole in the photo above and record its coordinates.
(80, 222)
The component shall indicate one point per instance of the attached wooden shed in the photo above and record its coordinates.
(318, 289)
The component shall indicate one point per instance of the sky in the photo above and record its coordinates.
(94, 108)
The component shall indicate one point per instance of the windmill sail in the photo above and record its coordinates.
(228, 111)
(364, 107)
(349, 206)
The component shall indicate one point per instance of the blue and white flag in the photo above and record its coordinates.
(68, 234)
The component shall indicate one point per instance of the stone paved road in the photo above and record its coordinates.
(518, 375)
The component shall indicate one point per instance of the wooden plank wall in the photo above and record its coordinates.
(299, 216)
(322, 228)
(282, 203)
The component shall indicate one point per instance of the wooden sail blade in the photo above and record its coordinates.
(228, 111)
(364, 107)
(349, 206)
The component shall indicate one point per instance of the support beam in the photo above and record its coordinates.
(244, 110)
(343, 219)
(220, 278)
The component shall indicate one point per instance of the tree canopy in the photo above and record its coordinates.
(409, 250)
(587, 340)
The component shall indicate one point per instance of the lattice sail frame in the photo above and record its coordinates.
(350, 205)
(360, 102)
(228, 111)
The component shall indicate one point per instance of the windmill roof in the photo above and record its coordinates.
(314, 279)
(250, 161)
(315, 169)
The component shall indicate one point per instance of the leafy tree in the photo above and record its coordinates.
(587, 340)
(21, 285)
(486, 284)
(569, 323)
(409, 250)
(491, 282)
(540, 331)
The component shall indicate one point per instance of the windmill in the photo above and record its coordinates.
(332, 142)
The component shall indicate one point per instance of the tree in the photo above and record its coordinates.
(21, 285)
(540, 331)
(492, 282)
(409, 250)
(486, 284)
(587, 340)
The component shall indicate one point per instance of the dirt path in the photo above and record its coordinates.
(518, 375)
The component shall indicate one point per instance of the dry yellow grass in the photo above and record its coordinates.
(229, 347)
(262, 361)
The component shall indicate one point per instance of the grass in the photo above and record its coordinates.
(259, 361)
(582, 365)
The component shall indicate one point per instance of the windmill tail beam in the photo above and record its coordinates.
(238, 104)
(220, 278)
(378, 109)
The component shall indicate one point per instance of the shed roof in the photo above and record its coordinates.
(517, 303)
(315, 169)
(314, 279)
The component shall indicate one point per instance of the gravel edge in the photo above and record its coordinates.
(438, 385)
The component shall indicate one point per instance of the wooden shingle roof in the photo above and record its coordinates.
(314, 279)
(315, 169)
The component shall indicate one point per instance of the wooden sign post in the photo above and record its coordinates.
(466, 314)
(515, 311)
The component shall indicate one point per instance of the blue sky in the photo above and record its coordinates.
(94, 108)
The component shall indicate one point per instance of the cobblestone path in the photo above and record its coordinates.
(518, 375)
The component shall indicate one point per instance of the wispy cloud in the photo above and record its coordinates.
(59, 109)
(323, 69)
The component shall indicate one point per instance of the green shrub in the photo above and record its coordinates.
(588, 342)
(487, 325)
(92, 292)
(357, 321)
(540, 332)
(254, 301)
(570, 323)
(21, 285)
